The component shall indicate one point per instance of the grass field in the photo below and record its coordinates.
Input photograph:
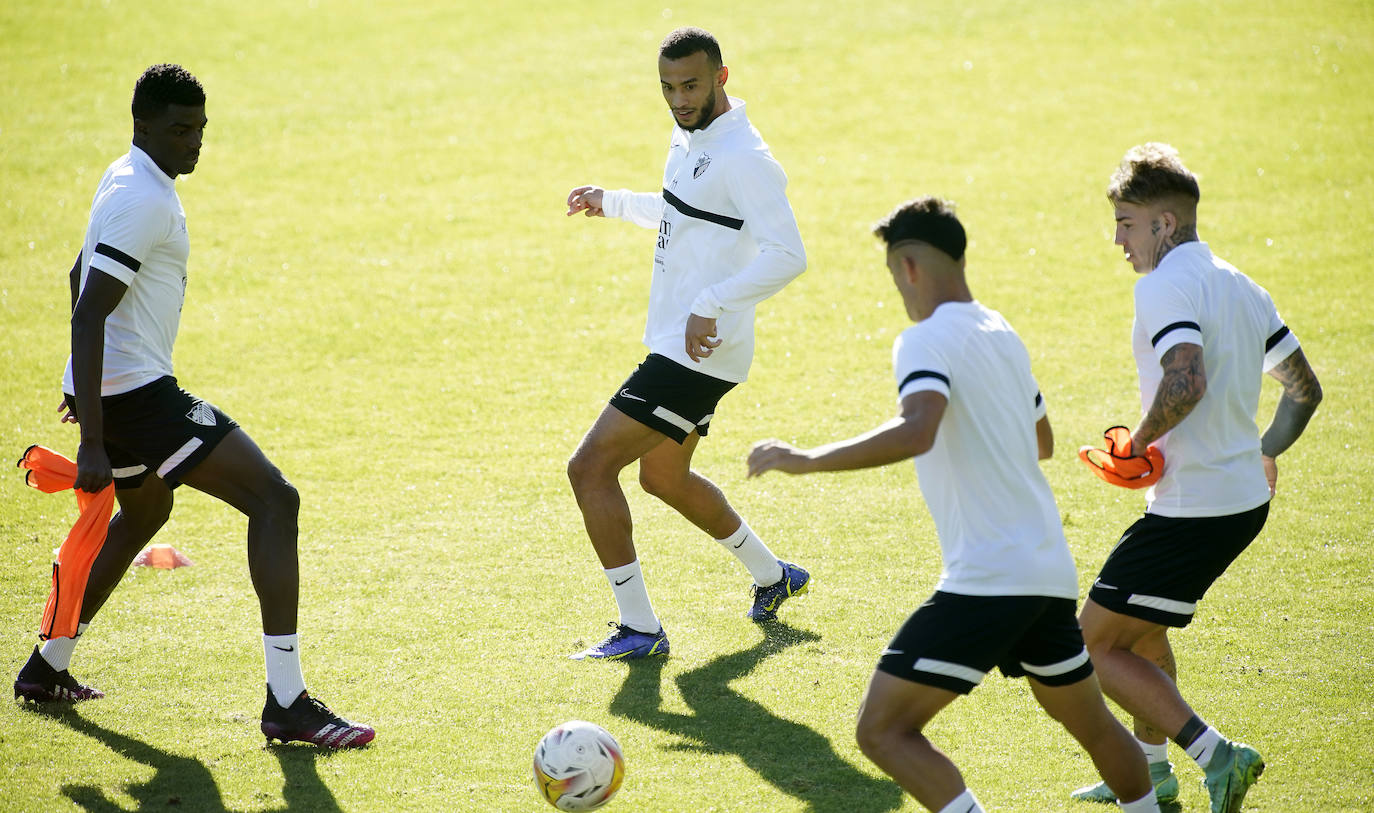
(385, 293)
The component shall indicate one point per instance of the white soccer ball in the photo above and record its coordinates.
(578, 766)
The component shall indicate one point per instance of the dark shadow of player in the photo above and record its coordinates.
(184, 782)
(793, 758)
(177, 780)
(302, 788)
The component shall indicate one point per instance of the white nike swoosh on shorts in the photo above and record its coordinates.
(625, 393)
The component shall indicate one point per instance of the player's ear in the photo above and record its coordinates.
(910, 268)
(1169, 221)
(721, 75)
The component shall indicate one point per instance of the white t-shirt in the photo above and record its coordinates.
(1212, 458)
(998, 524)
(137, 234)
(727, 239)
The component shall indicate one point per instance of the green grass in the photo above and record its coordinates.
(385, 292)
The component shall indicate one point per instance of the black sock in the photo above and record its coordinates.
(1191, 730)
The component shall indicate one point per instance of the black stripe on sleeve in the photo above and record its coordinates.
(1038, 400)
(923, 374)
(1170, 328)
(1276, 338)
(700, 214)
(118, 256)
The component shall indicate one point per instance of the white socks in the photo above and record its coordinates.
(755, 555)
(632, 598)
(1145, 804)
(963, 803)
(1155, 752)
(1202, 748)
(58, 651)
(284, 675)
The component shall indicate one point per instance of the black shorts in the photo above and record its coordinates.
(953, 640)
(664, 395)
(158, 428)
(1162, 566)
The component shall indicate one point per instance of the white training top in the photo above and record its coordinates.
(137, 234)
(727, 239)
(1212, 458)
(999, 528)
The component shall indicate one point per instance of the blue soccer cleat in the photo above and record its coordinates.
(1233, 769)
(626, 643)
(1161, 776)
(767, 600)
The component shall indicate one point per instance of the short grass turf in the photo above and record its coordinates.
(385, 293)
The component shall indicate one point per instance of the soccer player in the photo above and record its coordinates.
(973, 417)
(1204, 333)
(727, 240)
(139, 429)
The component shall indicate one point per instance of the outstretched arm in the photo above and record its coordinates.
(1183, 385)
(1301, 395)
(906, 436)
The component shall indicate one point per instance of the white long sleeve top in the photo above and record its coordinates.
(727, 239)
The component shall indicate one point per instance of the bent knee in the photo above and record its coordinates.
(876, 734)
(660, 484)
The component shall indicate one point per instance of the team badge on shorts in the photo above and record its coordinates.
(702, 163)
(202, 414)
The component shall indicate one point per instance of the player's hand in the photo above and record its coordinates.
(586, 199)
(1119, 464)
(769, 455)
(700, 335)
(1271, 473)
(68, 414)
(92, 467)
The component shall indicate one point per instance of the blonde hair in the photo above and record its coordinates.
(1150, 173)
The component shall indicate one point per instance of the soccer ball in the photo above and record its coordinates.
(578, 766)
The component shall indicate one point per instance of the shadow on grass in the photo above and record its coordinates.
(793, 758)
(185, 783)
(178, 781)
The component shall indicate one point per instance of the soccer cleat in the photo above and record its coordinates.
(41, 683)
(1161, 776)
(1233, 769)
(767, 600)
(626, 643)
(309, 720)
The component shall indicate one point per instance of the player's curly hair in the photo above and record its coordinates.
(689, 40)
(928, 219)
(1150, 173)
(163, 85)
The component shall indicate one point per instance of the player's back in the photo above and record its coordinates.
(998, 524)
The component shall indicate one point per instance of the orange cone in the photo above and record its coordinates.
(162, 556)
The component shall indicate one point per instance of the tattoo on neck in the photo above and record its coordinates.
(1185, 233)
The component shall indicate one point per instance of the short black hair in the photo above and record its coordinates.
(1152, 172)
(928, 219)
(689, 40)
(163, 85)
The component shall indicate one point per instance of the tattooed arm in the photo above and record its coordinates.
(1301, 394)
(1183, 385)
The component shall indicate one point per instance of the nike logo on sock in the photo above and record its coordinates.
(741, 542)
(622, 581)
(284, 648)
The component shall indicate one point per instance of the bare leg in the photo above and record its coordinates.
(238, 473)
(666, 472)
(142, 513)
(891, 717)
(1080, 709)
(1139, 684)
(1155, 648)
(614, 442)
